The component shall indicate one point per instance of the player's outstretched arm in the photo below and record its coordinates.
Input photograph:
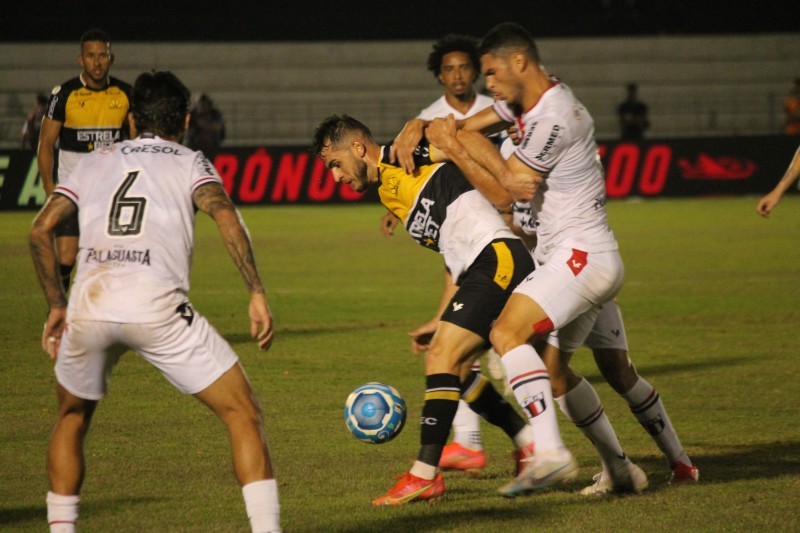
(214, 201)
(57, 209)
(769, 201)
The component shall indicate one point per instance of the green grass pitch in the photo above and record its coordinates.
(712, 308)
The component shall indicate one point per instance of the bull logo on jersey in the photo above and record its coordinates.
(535, 405)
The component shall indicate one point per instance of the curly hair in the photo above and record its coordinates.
(453, 43)
(160, 103)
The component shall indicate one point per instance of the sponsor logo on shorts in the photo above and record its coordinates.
(457, 306)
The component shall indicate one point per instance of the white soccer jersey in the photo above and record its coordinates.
(137, 229)
(441, 108)
(558, 141)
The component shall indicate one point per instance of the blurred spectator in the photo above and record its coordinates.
(206, 126)
(632, 114)
(791, 105)
(33, 124)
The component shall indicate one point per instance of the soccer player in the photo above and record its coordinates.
(137, 202)
(484, 262)
(580, 268)
(578, 401)
(767, 203)
(83, 113)
(454, 62)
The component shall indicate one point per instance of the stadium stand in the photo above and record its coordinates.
(275, 93)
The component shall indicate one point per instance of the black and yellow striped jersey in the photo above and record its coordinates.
(91, 118)
(440, 209)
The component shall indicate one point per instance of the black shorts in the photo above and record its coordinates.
(68, 228)
(485, 286)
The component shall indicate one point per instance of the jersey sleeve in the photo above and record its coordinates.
(57, 104)
(422, 154)
(203, 172)
(504, 111)
(543, 143)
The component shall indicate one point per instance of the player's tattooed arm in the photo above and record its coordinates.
(214, 201)
(56, 210)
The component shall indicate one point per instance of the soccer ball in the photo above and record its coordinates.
(375, 413)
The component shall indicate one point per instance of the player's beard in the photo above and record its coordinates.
(361, 182)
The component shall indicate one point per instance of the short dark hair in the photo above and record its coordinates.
(453, 43)
(95, 34)
(334, 129)
(160, 103)
(509, 35)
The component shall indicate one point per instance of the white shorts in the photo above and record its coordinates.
(191, 356)
(607, 333)
(571, 288)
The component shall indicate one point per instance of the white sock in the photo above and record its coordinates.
(524, 437)
(530, 381)
(423, 470)
(646, 406)
(263, 508)
(582, 406)
(62, 512)
(467, 427)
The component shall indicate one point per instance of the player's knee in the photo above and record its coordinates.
(441, 359)
(505, 338)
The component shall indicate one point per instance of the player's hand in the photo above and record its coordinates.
(522, 186)
(422, 336)
(441, 132)
(402, 150)
(53, 330)
(388, 223)
(260, 320)
(767, 204)
(513, 134)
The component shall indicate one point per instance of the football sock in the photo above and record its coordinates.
(263, 508)
(582, 406)
(466, 427)
(484, 399)
(442, 393)
(64, 271)
(62, 512)
(530, 382)
(646, 406)
(524, 437)
(467, 423)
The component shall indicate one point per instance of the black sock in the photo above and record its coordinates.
(65, 271)
(484, 399)
(441, 402)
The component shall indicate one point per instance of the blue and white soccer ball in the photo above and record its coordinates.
(375, 413)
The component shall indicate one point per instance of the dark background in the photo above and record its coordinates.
(338, 20)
